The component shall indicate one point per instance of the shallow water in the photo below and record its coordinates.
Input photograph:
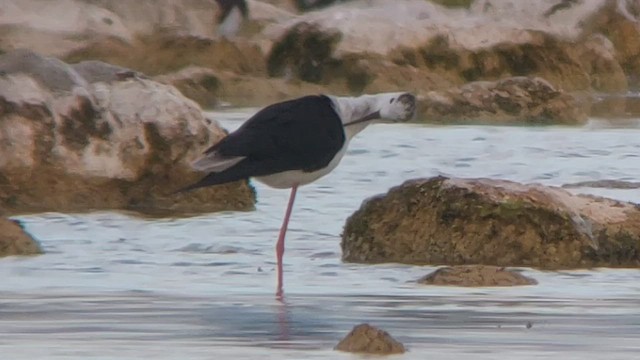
(116, 287)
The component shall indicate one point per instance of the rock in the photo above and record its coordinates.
(15, 241)
(245, 90)
(597, 55)
(165, 53)
(615, 107)
(518, 100)
(488, 41)
(126, 143)
(57, 27)
(94, 71)
(304, 51)
(197, 83)
(619, 21)
(49, 72)
(372, 26)
(476, 275)
(210, 88)
(365, 338)
(494, 222)
(607, 184)
(571, 66)
(381, 27)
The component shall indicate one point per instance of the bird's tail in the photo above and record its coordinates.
(217, 178)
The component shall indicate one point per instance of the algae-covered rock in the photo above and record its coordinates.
(573, 45)
(589, 64)
(476, 275)
(105, 140)
(368, 339)
(518, 100)
(494, 222)
(15, 241)
(304, 51)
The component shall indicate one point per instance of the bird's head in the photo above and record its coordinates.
(397, 107)
(386, 107)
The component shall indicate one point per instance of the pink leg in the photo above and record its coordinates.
(280, 244)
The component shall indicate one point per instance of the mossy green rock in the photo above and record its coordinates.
(481, 221)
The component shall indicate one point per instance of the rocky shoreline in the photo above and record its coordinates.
(579, 49)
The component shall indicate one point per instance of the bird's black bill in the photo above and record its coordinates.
(372, 116)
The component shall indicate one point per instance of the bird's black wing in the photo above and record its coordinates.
(301, 134)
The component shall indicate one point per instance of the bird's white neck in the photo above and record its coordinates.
(353, 108)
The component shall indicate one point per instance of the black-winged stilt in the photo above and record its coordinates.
(295, 142)
(231, 14)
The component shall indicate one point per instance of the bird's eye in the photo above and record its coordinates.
(391, 101)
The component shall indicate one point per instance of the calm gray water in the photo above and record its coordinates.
(113, 286)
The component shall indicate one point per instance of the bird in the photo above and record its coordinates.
(296, 142)
(230, 17)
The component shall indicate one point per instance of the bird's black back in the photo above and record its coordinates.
(301, 134)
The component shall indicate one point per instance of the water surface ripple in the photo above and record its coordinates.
(117, 287)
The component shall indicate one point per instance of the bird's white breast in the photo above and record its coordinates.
(287, 179)
(347, 109)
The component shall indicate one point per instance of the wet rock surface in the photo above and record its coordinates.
(476, 275)
(368, 339)
(608, 184)
(15, 241)
(106, 140)
(494, 222)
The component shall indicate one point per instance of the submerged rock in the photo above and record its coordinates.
(494, 222)
(476, 275)
(607, 184)
(518, 100)
(365, 338)
(15, 241)
(115, 141)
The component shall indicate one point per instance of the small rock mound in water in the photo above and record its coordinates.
(365, 338)
(15, 241)
(456, 221)
(476, 275)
